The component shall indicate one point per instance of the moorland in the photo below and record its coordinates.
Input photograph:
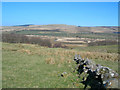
(34, 56)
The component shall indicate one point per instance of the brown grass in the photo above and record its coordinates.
(50, 60)
(25, 51)
(60, 55)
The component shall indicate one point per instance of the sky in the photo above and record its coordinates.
(70, 13)
(60, 0)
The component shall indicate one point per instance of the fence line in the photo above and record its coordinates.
(95, 75)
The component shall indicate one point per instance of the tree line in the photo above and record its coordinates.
(19, 38)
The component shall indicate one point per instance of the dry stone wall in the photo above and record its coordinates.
(96, 75)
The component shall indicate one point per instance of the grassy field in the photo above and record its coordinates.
(33, 66)
(105, 48)
(67, 34)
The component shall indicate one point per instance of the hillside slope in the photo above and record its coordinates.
(33, 66)
(63, 27)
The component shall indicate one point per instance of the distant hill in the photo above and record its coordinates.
(24, 25)
(63, 27)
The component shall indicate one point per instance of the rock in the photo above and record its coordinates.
(64, 74)
(98, 76)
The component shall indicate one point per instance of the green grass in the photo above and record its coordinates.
(105, 48)
(23, 70)
(33, 66)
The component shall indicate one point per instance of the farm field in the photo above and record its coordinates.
(69, 35)
(34, 66)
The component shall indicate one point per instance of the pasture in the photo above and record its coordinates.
(61, 33)
(34, 66)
